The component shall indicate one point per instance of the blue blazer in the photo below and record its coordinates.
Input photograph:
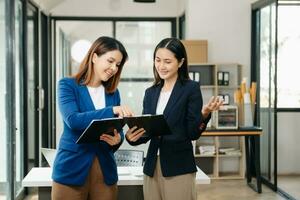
(73, 161)
(183, 115)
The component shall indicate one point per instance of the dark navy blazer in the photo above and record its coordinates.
(73, 161)
(183, 115)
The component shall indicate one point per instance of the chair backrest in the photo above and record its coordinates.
(129, 157)
(49, 154)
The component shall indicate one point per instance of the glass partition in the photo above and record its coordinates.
(19, 112)
(288, 175)
(267, 89)
(4, 192)
(73, 39)
(276, 43)
(139, 39)
(264, 65)
(288, 56)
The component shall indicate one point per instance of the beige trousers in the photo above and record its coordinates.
(93, 189)
(181, 187)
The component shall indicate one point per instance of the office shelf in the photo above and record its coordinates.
(207, 76)
(220, 166)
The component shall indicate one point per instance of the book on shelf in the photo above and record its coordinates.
(230, 151)
(207, 150)
(154, 125)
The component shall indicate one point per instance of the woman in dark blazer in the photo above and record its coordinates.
(89, 171)
(170, 167)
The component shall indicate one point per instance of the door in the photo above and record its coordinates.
(31, 87)
(264, 16)
(19, 101)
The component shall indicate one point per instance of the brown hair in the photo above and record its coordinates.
(101, 46)
(176, 47)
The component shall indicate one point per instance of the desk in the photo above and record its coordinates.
(130, 184)
(252, 147)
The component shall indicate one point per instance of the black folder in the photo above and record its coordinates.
(155, 125)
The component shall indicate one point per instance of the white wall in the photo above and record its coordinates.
(227, 27)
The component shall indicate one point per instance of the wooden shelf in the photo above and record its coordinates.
(207, 86)
(229, 156)
(204, 156)
(232, 139)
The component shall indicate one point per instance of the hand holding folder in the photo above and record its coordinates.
(154, 125)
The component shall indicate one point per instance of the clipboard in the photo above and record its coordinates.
(155, 125)
(98, 127)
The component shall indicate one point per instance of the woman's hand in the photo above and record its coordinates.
(111, 140)
(134, 134)
(213, 104)
(122, 111)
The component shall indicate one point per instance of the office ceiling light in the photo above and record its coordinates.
(144, 1)
(79, 49)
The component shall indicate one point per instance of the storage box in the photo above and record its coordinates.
(226, 118)
(196, 50)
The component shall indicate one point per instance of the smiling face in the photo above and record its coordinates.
(166, 64)
(106, 65)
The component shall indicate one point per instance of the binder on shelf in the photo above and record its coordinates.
(191, 75)
(154, 125)
(220, 78)
(226, 99)
(226, 78)
(197, 76)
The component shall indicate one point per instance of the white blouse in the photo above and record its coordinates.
(162, 102)
(98, 96)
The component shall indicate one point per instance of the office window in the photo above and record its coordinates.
(139, 39)
(288, 60)
(267, 61)
(69, 33)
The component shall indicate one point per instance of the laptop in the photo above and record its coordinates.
(49, 154)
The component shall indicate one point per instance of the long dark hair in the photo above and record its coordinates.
(101, 46)
(175, 46)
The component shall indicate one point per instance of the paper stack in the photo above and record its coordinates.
(230, 151)
(207, 150)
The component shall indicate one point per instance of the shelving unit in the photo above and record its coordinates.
(208, 73)
(217, 165)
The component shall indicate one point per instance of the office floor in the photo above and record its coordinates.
(232, 190)
(290, 184)
(223, 190)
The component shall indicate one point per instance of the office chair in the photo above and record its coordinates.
(129, 158)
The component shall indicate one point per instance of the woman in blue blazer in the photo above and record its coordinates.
(89, 171)
(170, 167)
